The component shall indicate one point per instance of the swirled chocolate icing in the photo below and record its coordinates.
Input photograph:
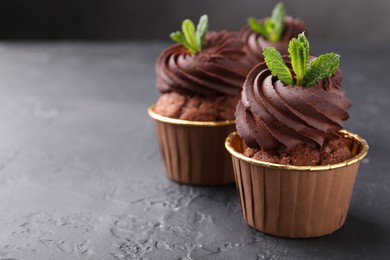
(219, 69)
(255, 42)
(271, 115)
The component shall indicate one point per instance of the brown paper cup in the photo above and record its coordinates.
(193, 152)
(295, 201)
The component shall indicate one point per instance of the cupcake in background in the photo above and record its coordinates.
(295, 165)
(275, 31)
(200, 79)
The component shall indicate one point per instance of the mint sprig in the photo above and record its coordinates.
(306, 74)
(277, 66)
(190, 38)
(278, 14)
(273, 27)
(322, 67)
(202, 29)
(299, 57)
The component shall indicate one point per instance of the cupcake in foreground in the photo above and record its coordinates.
(275, 31)
(294, 164)
(200, 79)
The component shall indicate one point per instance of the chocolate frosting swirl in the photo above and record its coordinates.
(271, 115)
(255, 42)
(220, 68)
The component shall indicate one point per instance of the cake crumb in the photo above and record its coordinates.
(197, 108)
(333, 151)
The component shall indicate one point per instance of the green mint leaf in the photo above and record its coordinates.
(299, 59)
(278, 14)
(305, 75)
(302, 39)
(189, 38)
(201, 30)
(277, 66)
(322, 67)
(269, 27)
(256, 26)
(188, 29)
(273, 27)
(180, 38)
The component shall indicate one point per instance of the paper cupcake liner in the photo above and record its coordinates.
(295, 201)
(193, 152)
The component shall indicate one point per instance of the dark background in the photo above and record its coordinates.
(331, 20)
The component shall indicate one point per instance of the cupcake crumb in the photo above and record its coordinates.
(196, 107)
(333, 151)
(262, 155)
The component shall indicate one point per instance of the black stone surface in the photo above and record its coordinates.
(81, 176)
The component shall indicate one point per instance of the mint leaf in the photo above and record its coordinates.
(322, 67)
(302, 39)
(269, 28)
(278, 14)
(272, 29)
(189, 38)
(180, 38)
(188, 29)
(256, 26)
(305, 75)
(201, 30)
(299, 59)
(277, 66)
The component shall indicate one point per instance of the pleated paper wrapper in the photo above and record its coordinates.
(193, 152)
(295, 201)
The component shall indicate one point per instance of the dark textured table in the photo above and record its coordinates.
(81, 175)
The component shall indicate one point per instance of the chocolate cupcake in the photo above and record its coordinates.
(294, 164)
(202, 86)
(275, 31)
(200, 79)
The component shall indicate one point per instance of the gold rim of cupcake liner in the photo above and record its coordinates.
(175, 121)
(359, 156)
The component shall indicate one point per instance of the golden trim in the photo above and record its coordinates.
(363, 151)
(175, 121)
